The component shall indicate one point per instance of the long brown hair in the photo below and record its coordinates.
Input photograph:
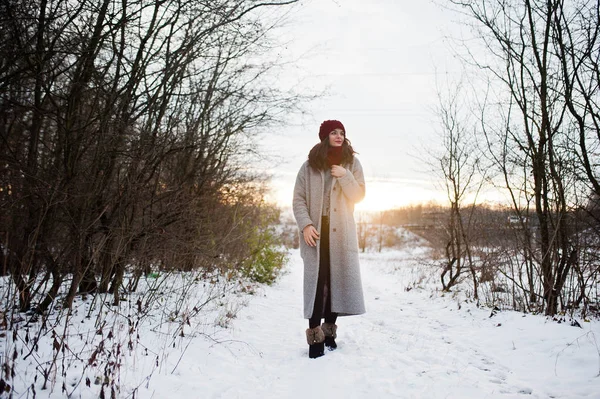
(317, 157)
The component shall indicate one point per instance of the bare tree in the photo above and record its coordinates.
(362, 231)
(458, 164)
(528, 130)
(121, 126)
(126, 146)
(576, 31)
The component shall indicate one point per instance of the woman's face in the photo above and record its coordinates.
(336, 138)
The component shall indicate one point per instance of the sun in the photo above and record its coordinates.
(384, 195)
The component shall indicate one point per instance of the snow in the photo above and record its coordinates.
(413, 342)
(409, 344)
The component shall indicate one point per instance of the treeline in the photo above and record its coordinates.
(528, 126)
(495, 252)
(125, 141)
(411, 214)
(491, 225)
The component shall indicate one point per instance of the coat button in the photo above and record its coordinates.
(334, 230)
(334, 189)
(335, 210)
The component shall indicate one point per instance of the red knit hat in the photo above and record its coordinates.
(328, 127)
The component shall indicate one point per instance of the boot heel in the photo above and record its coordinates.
(330, 332)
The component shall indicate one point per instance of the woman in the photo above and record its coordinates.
(327, 187)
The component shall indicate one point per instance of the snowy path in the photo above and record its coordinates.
(407, 345)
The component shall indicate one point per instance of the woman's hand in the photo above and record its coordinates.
(311, 235)
(338, 171)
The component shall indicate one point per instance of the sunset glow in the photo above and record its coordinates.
(385, 195)
(381, 195)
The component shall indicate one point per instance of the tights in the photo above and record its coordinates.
(322, 307)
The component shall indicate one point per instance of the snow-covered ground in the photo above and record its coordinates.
(413, 342)
(409, 344)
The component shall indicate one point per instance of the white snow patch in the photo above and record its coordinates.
(413, 342)
(409, 344)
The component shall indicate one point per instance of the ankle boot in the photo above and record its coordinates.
(330, 331)
(315, 338)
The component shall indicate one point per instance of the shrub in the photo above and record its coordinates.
(268, 255)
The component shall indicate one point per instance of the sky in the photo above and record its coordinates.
(379, 66)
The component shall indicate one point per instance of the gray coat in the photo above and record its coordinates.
(346, 287)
